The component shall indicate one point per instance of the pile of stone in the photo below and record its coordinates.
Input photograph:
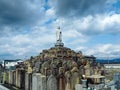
(58, 68)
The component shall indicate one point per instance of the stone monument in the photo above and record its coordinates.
(38, 82)
(51, 83)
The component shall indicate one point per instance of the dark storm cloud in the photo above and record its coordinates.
(19, 12)
(79, 8)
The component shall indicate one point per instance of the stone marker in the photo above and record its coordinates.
(75, 77)
(17, 72)
(51, 83)
(14, 77)
(78, 87)
(28, 81)
(10, 77)
(61, 79)
(38, 82)
(22, 79)
(87, 69)
(68, 75)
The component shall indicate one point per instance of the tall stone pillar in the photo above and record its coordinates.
(4, 77)
(16, 81)
(22, 79)
(10, 77)
(19, 79)
(14, 78)
(28, 81)
(61, 81)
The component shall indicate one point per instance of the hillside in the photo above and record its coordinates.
(116, 60)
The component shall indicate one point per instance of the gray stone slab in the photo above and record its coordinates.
(51, 83)
(26, 81)
(38, 82)
(10, 77)
(78, 87)
(18, 78)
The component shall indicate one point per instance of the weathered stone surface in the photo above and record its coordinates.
(18, 77)
(87, 69)
(30, 81)
(10, 77)
(26, 81)
(108, 88)
(75, 77)
(78, 87)
(68, 80)
(29, 69)
(38, 82)
(51, 83)
(14, 78)
(84, 81)
(17, 81)
(61, 79)
(21, 83)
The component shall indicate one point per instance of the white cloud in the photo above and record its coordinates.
(20, 39)
(50, 12)
(90, 25)
(102, 50)
(31, 43)
(77, 33)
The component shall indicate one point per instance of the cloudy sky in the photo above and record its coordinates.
(29, 26)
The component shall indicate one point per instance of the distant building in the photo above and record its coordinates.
(10, 64)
